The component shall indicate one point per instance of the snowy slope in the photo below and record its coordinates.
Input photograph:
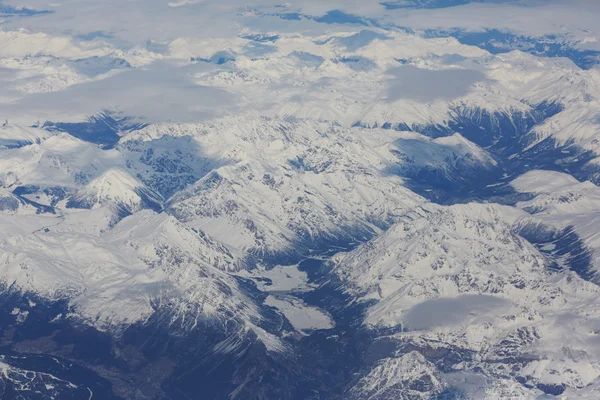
(149, 266)
(416, 259)
(409, 376)
(60, 160)
(116, 278)
(460, 279)
(15, 205)
(17, 136)
(290, 194)
(115, 186)
(562, 202)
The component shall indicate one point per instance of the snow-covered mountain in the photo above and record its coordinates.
(564, 218)
(145, 253)
(459, 280)
(117, 190)
(300, 200)
(283, 200)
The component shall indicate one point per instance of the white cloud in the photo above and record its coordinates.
(161, 92)
(425, 85)
(142, 31)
